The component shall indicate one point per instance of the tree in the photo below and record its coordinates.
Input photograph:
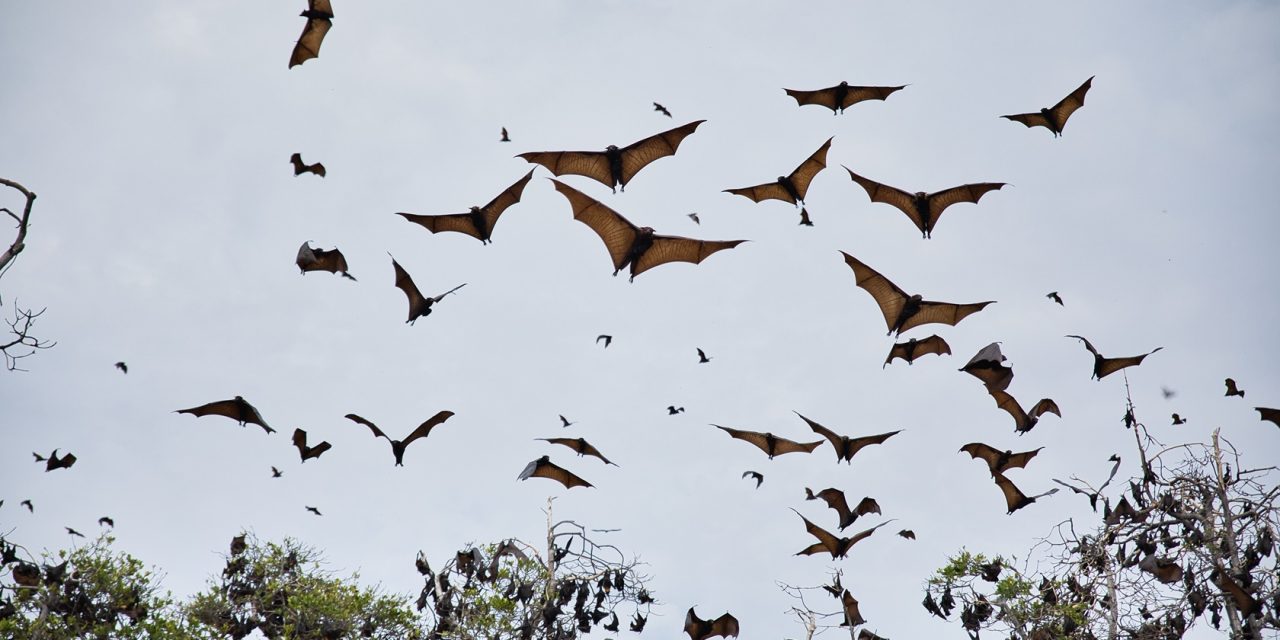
(21, 342)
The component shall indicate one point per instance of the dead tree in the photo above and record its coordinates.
(21, 342)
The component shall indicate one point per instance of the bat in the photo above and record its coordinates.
(698, 629)
(1267, 414)
(544, 468)
(124, 368)
(702, 357)
(314, 510)
(1177, 420)
(694, 218)
(661, 109)
(829, 543)
(607, 340)
(902, 311)
(612, 625)
(300, 167)
(841, 96)
(988, 366)
(908, 534)
(792, 187)
(1053, 295)
(580, 445)
(836, 500)
(276, 473)
(923, 208)
(505, 137)
(1167, 392)
(754, 475)
(769, 443)
(1024, 421)
(565, 422)
(852, 617)
(1232, 390)
(991, 571)
(479, 221)
(54, 462)
(398, 446)
(867, 635)
(1245, 603)
(27, 503)
(845, 446)
(804, 218)
(1013, 497)
(1093, 495)
(638, 247)
(1103, 367)
(614, 167)
(320, 260)
(1055, 118)
(673, 410)
(73, 532)
(237, 409)
(912, 349)
(419, 305)
(238, 545)
(300, 441)
(637, 623)
(319, 15)
(998, 461)
(105, 521)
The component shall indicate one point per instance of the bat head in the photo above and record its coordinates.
(613, 148)
(916, 299)
(844, 83)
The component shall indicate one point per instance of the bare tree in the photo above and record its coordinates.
(21, 342)
(817, 621)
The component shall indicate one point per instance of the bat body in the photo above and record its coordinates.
(1055, 117)
(841, 96)
(398, 446)
(124, 368)
(1024, 421)
(1103, 367)
(1177, 420)
(237, 409)
(300, 441)
(300, 167)
(544, 468)
(319, 15)
(923, 208)
(754, 475)
(845, 446)
(320, 260)
(276, 473)
(54, 462)
(805, 221)
(694, 218)
(829, 543)
(908, 534)
(637, 247)
(699, 629)
(770, 444)
(661, 109)
(580, 445)
(988, 366)
(902, 311)
(912, 349)
(836, 500)
(614, 167)
(849, 604)
(419, 305)
(564, 422)
(1268, 414)
(1232, 390)
(479, 221)
(1245, 603)
(1014, 498)
(998, 461)
(791, 187)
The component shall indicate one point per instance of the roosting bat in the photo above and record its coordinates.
(923, 208)
(1024, 421)
(1103, 367)
(1245, 603)
(319, 15)
(613, 167)
(769, 443)
(852, 617)
(544, 468)
(637, 623)
(829, 543)
(638, 247)
(300, 441)
(398, 446)
(479, 221)
(1268, 414)
(867, 635)
(988, 366)
(54, 462)
(998, 461)
(580, 445)
(320, 260)
(300, 167)
(1055, 118)
(1165, 570)
(1013, 497)
(419, 305)
(845, 446)
(237, 409)
(699, 629)
(836, 500)
(661, 109)
(841, 96)
(792, 187)
(902, 311)
(1232, 390)
(754, 475)
(912, 349)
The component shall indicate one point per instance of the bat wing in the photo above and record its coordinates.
(726, 625)
(459, 222)
(319, 20)
(1045, 406)
(616, 231)
(547, 469)
(822, 97)
(1030, 119)
(227, 408)
(791, 446)
(836, 500)
(1087, 345)
(332, 261)
(826, 539)
(861, 94)
(865, 506)
(830, 435)
(508, 197)
(298, 165)
(863, 535)
(426, 427)
(762, 192)
(886, 194)
(405, 284)
(678, 249)
(856, 444)
(986, 452)
(1069, 104)
(1108, 366)
(814, 549)
(887, 295)
(932, 344)
(852, 617)
(637, 155)
(804, 174)
(938, 202)
(942, 312)
(1005, 402)
(592, 164)
(1265, 413)
(753, 437)
(1020, 460)
(377, 433)
(590, 450)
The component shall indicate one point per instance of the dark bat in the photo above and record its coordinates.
(54, 462)
(841, 96)
(661, 109)
(73, 532)
(754, 475)
(702, 357)
(1268, 414)
(769, 443)
(912, 349)
(124, 368)
(1232, 390)
(613, 167)
(1013, 497)
(237, 409)
(673, 410)
(988, 366)
(105, 521)
(805, 221)
(580, 445)
(505, 137)
(902, 311)
(320, 260)
(908, 534)
(398, 446)
(1167, 392)
(852, 617)
(638, 247)
(998, 461)
(694, 218)
(30, 507)
(419, 305)
(1055, 118)
(565, 422)
(867, 635)
(276, 473)
(300, 167)
(607, 340)
(923, 208)
(479, 221)
(829, 543)
(238, 545)
(544, 468)
(300, 441)
(637, 623)
(314, 510)
(792, 187)
(699, 629)
(1103, 367)
(836, 500)
(1024, 421)
(1177, 420)
(1093, 495)
(612, 624)
(845, 446)
(319, 15)
(1053, 295)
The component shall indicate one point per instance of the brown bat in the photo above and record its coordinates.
(419, 305)
(836, 500)
(1177, 420)
(479, 221)
(769, 443)
(300, 441)
(505, 137)
(841, 96)
(754, 475)
(613, 167)
(1165, 570)
(54, 462)
(923, 208)
(580, 445)
(1013, 497)
(845, 446)
(300, 167)
(638, 247)
(1268, 414)
(998, 461)
(1103, 367)
(912, 349)
(829, 543)
(792, 187)
(237, 409)
(661, 109)
(319, 15)
(852, 617)
(544, 468)
(1232, 390)
(320, 260)
(1055, 118)
(1245, 603)
(1024, 421)
(398, 446)
(902, 311)
(699, 629)
(988, 366)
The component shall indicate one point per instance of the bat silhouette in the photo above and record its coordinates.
(754, 475)
(661, 109)
(841, 96)
(867, 635)
(845, 446)
(702, 357)
(912, 349)
(829, 543)
(769, 443)
(54, 462)
(300, 167)
(319, 15)
(73, 532)
(923, 208)
(238, 545)
(673, 410)
(505, 137)
(1055, 117)
(1053, 295)
(544, 468)
(30, 507)
(105, 521)
(792, 187)
(852, 617)
(902, 311)
(836, 500)
(398, 446)
(276, 473)
(419, 305)
(612, 624)
(580, 445)
(607, 340)
(1177, 420)
(479, 221)
(637, 623)
(1014, 498)
(1268, 414)
(698, 629)
(565, 422)
(1232, 390)
(124, 368)
(694, 218)
(613, 167)
(1024, 421)
(237, 409)
(804, 218)
(300, 441)
(1103, 367)
(638, 247)
(908, 534)
(988, 366)
(314, 510)
(320, 260)
(998, 461)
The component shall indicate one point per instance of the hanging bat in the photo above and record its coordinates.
(804, 218)
(852, 617)
(698, 629)
(902, 311)
(702, 357)
(300, 167)
(73, 532)
(124, 368)
(836, 500)
(320, 260)
(792, 187)
(637, 623)
(1053, 295)
(1055, 118)
(754, 475)
(845, 446)
(1267, 414)
(908, 534)
(829, 543)
(300, 441)
(580, 445)
(544, 468)
(612, 624)
(841, 96)
(237, 409)
(54, 462)
(912, 349)
(505, 137)
(319, 15)
(988, 366)
(661, 109)
(276, 473)
(1013, 497)
(314, 510)
(419, 305)
(1232, 390)
(1103, 367)
(769, 443)
(923, 208)
(479, 221)
(106, 521)
(613, 167)
(1024, 421)
(398, 446)
(1094, 495)
(638, 247)
(607, 340)
(998, 461)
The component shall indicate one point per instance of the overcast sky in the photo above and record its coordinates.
(157, 135)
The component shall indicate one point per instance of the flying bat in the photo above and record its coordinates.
(300, 167)
(836, 500)
(580, 445)
(1232, 390)
(852, 617)
(314, 510)
(237, 409)
(320, 260)
(754, 475)
(319, 15)
(829, 543)
(54, 462)
(1267, 414)
(544, 468)
(661, 109)
(1024, 421)
(923, 208)
(912, 349)
(1177, 420)
(638, 247)
(73, 532)
(769, 443)
(805, 221)
(902, 311)
(792, 187)
(1053, 295)
(565, 422)
(124, 368)
(841, 96)
(505, 137)
(276, 473)
(867, 635)
(1055, 118)
(988, 366)
(105, 521)
(300, 441)
(845, 446)
(398, 446)
(1013, 497)
(479, 221)
(702, 357)
(694, 217)
(998, 461)
(30, 507)
(1103, 367)
(419, 305)
(699, 629)
(908, 534)
(613, 167)
(673, 410)
(607, 340)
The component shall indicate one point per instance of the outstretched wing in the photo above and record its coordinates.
(725, 626)
(1109, 366)
(1045, 406)
(784, 445)
(932, 344)
(459, 222)
(592, 164)
(938, 202)
(227, 408)
(830, 435)
(332, 261)
(1020, 460)
(822, 97)
(753, 437)
(856, 444)
(377, 433)
(616, 231)
(1266, 413)
(405, 284)
(1014, 498)
(942, 312)
(886, 294)
(1006, 402)
(860, 94)
(1030, 119)
(1087, 345)
(637, 155)
(426, 427)
(836, 500)
(762, 192)
(886, 194)
(544, 468)
(826, 539)
(319, 21)
(804, 174)
(678, 249)
(978, 450)
(508, 197)
(1069, 104)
